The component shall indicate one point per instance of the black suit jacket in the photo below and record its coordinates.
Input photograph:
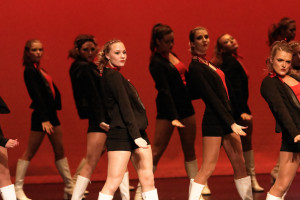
(172, 100)
(40, 93)
(203, 82)
(124, 107)
(238, 79)
(3, 110)
(86, 85)
(284, 105)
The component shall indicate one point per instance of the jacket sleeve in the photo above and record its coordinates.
(208, 94)
(31, 80)
(232, 72)
(3, 141)
(164, 94)
(93, 93)
(271, 94)
(121, 96)
(3, 107)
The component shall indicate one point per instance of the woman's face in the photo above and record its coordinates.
(281, 62)
(228, 43)
(296, 57)
(165, 45)
(117, 55)
(35, 52)
(88, 51)
(201, 42)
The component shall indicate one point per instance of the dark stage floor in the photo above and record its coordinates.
(222, 187)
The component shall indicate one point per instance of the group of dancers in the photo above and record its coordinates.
(117, 118)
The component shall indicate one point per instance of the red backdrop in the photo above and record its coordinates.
(56, 23)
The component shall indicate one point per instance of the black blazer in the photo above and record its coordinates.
(238, 79)
(284, 105)
(86, 85)
(203, 82)
(3, 110)
(124, 107)
(40, 93)
(172, 100)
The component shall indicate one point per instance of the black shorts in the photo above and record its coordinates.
(288, 144)
(212, 126)
(36, 122)
(94, 127)
(119, 140)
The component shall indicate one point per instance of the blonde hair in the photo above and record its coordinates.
(101, 60)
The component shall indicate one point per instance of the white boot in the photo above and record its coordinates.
(80, 187)
(271, 197)
(64, 171)
(195, 190)
(8, 192)
(150, 195)
(244, 188)
(250, 167)
(105, 196)
(190, 187)
(22, 166)
(77, 172)
(124, 187)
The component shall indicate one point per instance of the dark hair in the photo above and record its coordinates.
(277, 46)
(158, 32)
(192, 36)
(79, 41)
(277, 31)
(102, 61)
(26, 58)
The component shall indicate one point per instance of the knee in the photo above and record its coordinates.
(147, 179)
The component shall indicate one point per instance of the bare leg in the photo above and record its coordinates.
(163, 133)
(95, 146)
(34, 142)
(142, 161)
(4, 170)
(117, 165)
(57, 143)
(233, 147)
(211, 149)
(187, 138)
(289, 163)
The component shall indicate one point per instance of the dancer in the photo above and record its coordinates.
(295, 45)
(174, 107)
(127, 118)
(281, 92)
(285, 29)
(45, 102)
(86, 84)
(7, 189)
(218, 126)
(229, 61)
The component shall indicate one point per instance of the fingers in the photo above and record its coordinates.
(244, 127)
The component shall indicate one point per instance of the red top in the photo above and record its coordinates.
(181, 69)
(222, 76)
(296, 89)
(48, 78)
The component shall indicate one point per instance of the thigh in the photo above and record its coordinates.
(4, 170)
(188, 133)
(56, 139)
(232, 145)
(142, 159)
(117, 164)
(211, 149)
(95, 145)
(288, 165)
(163, 132)
(246, 140)
(34, 142)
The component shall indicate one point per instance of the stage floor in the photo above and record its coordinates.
(222, 187)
